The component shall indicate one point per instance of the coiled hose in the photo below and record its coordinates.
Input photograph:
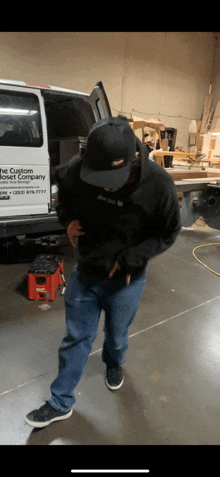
(205, 245)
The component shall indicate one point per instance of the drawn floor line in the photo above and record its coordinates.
(130, 336)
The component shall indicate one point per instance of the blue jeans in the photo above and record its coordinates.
(84, 302)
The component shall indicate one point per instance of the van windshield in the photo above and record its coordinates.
(20, 120)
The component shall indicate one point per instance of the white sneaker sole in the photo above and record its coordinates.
(114, 388)
(46, 423)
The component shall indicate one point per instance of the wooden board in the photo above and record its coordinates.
(206, 112)
(215, 127)
(195, 176)
(204, 179)
(164, 144)
(175, 154)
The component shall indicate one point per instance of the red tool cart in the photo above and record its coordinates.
(45, 276)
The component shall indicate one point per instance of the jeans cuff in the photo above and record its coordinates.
(55, 407)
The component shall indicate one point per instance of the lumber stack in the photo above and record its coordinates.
(207, 113)
(205, 138)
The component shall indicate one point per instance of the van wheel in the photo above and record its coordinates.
(9, 250)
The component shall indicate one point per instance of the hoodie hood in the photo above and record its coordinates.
(144, 157)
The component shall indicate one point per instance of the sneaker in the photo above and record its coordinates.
(45, 415)
(114, 378)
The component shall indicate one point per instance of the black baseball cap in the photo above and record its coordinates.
(111, 147)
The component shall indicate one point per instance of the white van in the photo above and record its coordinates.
(41, 126)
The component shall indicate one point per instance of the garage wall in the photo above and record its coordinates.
(170, 74)
(75, 60)
(148, 72)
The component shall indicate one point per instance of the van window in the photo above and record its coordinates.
(20, 120)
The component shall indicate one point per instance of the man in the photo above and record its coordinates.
(124, 210)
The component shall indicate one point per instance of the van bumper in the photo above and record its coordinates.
(25, 225)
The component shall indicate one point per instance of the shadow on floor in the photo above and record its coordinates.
(132, 428)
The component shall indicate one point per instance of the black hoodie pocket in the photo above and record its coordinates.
(99, 262)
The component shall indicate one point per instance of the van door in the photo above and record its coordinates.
(99, 102)
(70, 115)
(24, 158)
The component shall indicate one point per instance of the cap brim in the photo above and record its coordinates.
(106, 179)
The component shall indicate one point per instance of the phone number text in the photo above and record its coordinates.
(15, 192)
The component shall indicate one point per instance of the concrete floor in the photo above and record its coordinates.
(172, 373)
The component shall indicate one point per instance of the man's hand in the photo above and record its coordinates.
(73, 231)
(115, 267)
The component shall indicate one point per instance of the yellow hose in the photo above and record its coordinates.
(205, 245)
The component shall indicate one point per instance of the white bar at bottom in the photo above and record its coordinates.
(113, 471)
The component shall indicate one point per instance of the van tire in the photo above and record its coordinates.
(9, 250)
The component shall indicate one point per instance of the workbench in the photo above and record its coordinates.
(183, 156)
(159, 156)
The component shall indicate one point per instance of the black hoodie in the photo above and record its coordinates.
(131, 225)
